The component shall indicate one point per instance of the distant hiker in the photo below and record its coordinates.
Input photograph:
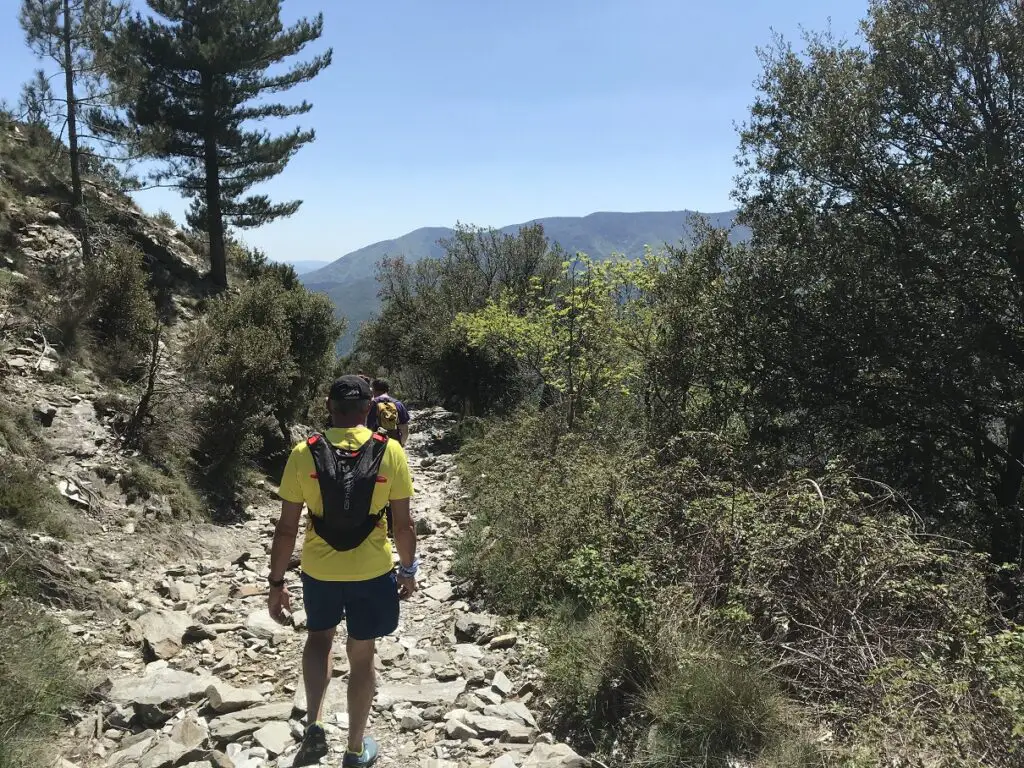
(345, 478)
(388, 413)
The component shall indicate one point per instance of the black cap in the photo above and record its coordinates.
(350, 388)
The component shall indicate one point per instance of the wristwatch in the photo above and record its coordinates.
(275, 582)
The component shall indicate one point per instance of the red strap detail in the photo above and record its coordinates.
(312, 440)
(379, 437)
(314, 475)
(381, 479)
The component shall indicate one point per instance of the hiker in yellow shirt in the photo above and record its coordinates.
(347, 566)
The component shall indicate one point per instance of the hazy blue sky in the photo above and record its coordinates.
(496, 112)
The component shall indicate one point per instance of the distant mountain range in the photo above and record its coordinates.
(351, 284)
(302, 267)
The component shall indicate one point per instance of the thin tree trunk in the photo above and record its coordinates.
(214, 219)
(77, 194)
(214, 216)
(141, 414)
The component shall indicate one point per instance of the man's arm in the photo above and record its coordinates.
(285, 531)
(404, 531)
(405, 540)
(403, 434)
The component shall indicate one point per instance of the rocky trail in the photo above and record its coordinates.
(197, 674)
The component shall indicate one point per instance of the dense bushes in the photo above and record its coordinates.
(710, 416)
(26, 497)
(679, 581)
(414, 340)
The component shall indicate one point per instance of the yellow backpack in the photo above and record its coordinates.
(387, 418)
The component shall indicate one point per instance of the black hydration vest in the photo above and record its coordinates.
(347, 479)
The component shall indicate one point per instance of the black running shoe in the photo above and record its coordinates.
(314, 746)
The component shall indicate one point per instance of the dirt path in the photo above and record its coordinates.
(222, 686)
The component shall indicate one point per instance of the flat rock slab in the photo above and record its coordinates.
(512, 710)
(226, 698)
(422, 693)
(161, 632)
(262, 626)
(335, 700)
(441, 592)
(274, 737)
(554, 756)
(158, 695)
(167, 754)
(232, 727)
(475, 627)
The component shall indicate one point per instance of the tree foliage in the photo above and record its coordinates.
(884, 184)
(261, 355)
(415, 331)
(575, 338)
(815, 461)
(68, 33)
(198, 76)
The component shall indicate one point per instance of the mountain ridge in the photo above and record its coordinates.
(350, 281)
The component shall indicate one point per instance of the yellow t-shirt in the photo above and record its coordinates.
(372, 558)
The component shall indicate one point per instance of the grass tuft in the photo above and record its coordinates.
(37, 679)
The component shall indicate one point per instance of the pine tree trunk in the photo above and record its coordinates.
(214, 220)
(214, 216)
(77, 194)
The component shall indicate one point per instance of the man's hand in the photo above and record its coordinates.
(279, 601)
(406, 587)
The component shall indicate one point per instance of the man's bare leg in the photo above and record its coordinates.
(316, 671)
(362, 684)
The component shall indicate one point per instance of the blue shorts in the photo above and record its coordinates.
(370, 608)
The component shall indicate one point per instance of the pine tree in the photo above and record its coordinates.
(205, 75)
(67, 31)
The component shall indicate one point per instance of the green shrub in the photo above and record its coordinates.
(102, 311)
(19, 432)
(123, 313)
(37, 679)
(28, 500)
(711, 707)
(261, 355)
(143, 481)
(165, 219)
(589, 537)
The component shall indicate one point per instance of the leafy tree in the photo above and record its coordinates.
(206, 78)
(67, 31)
(260, 355)
(414, 332)
(885, 182)
(577, 340)
(688, 333)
